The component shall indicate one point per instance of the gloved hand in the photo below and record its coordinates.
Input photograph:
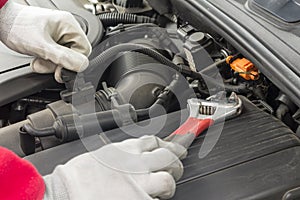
(53, 37)
(135, 169)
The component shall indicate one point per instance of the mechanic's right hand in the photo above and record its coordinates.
(135, 169)
(53, 37)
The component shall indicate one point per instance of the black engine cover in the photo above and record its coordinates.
(256, 157)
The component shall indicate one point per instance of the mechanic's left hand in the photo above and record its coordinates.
(53, 37)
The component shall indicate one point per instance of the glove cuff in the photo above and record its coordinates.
(8, 14)
(18, 178)
(55, 187)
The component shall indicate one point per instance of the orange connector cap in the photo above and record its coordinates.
(244, 67)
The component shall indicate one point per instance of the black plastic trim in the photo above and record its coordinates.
(287, 11)
(24, 86)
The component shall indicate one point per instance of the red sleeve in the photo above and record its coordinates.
(2, 3)
(19, 180)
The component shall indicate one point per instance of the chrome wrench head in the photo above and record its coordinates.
(217, 107)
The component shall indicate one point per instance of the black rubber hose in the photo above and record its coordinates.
(27, 142)
(108, 56)
(38, 132)
(113, 19)
(65, 128)
(155, 109)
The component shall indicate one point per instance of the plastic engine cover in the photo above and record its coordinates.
(256, 157)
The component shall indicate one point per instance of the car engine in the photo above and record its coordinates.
(145, 65)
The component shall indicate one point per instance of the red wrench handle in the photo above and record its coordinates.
(194, 126)
(189, 130)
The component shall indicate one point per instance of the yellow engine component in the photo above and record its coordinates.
(244, 67)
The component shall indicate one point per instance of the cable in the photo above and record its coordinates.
(113, 19)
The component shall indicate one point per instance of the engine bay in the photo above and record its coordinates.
(145, 65)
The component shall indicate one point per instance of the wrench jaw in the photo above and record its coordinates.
(217, 107)
(203, 114)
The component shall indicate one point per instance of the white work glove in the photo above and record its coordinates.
(135, 169)
(53, 37)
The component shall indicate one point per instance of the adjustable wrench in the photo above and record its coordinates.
(205, 113)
